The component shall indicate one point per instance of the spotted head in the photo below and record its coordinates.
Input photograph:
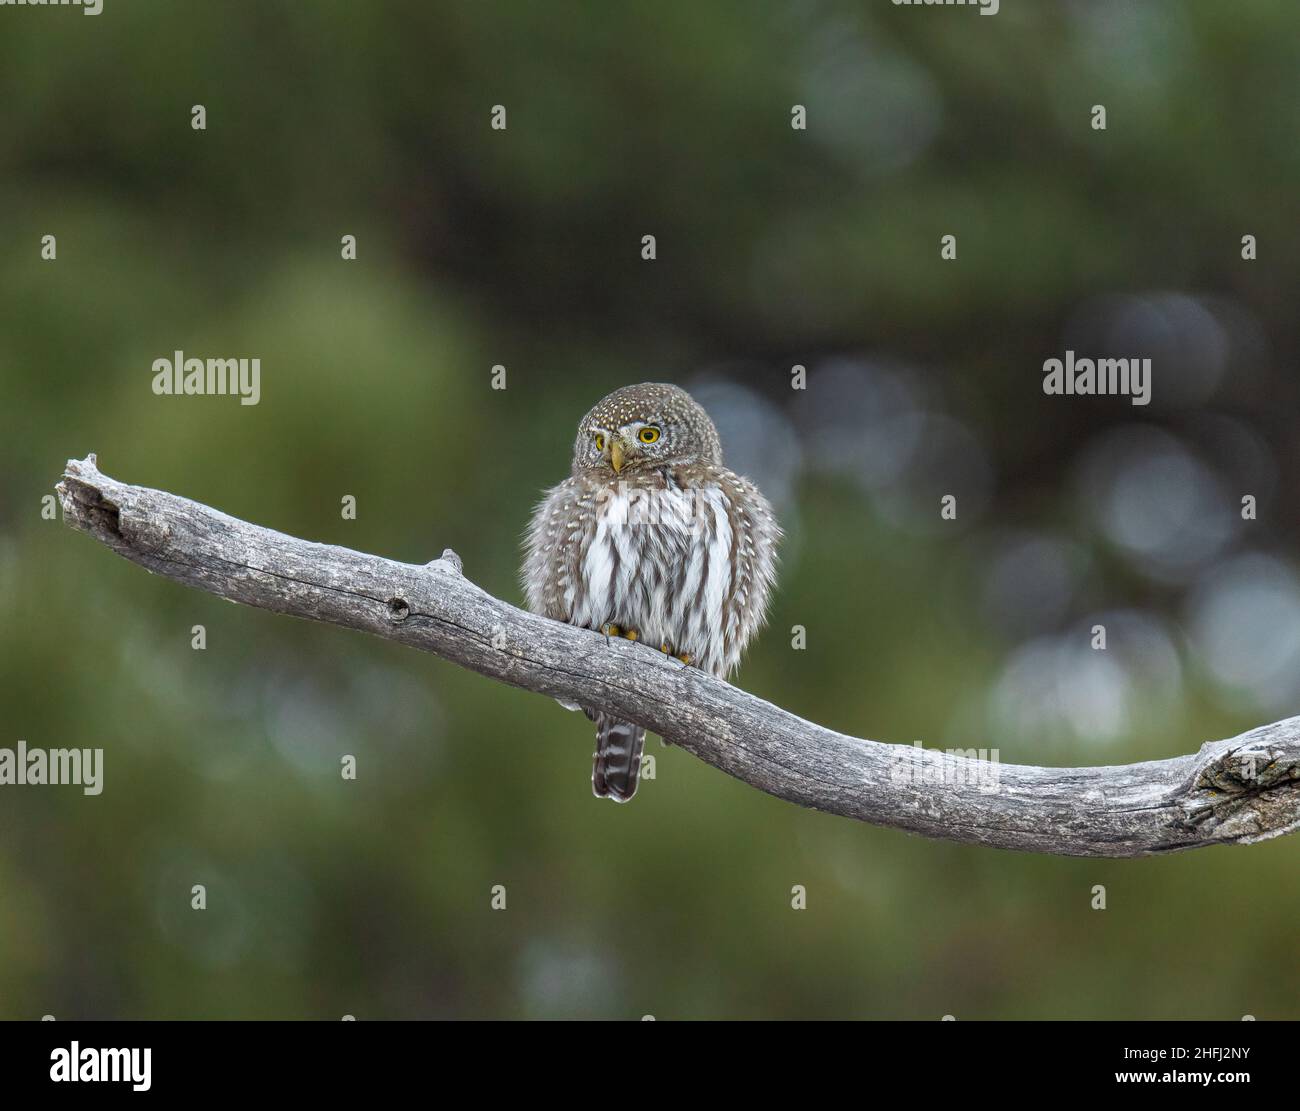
(642, 427)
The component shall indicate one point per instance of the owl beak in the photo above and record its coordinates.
(616, 454)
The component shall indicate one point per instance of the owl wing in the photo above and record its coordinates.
(553, 550)
(755, 535)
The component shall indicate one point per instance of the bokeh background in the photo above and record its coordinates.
(521, 247)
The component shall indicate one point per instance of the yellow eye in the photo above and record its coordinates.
(648, 435)
(600, 443)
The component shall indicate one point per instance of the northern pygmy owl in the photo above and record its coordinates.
(653, 539)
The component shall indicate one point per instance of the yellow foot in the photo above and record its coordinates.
(666, 649)
(612, 630)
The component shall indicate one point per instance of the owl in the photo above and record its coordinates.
(651, 538)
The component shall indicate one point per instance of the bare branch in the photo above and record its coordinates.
(1241, 790)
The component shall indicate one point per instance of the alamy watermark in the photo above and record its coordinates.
(1073, 377)
(181, 376)
(24, 767)
(88, 7)
(986, 7)
(954, 767)
(86, 1064)
(630, 504)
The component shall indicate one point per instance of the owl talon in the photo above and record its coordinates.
(631, 634)
(667, 650)
(611, 630)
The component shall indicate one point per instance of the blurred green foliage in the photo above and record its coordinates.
(522, 248)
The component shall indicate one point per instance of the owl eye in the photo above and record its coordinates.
(648, 435)
(600, 443)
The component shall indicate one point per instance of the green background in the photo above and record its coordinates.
(522, 248)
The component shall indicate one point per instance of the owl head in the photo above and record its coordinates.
(640, 427)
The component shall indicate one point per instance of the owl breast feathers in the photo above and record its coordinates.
(652, 534)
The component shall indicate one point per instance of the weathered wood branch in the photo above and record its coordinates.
(1234, 791)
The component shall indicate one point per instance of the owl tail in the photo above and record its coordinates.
(617, 765)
